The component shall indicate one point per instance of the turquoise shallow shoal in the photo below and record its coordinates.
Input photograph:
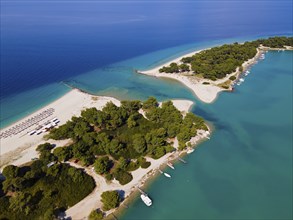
(245, 170)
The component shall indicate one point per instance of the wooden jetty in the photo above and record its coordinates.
(141, 191)
(183, 161)
(170, 165)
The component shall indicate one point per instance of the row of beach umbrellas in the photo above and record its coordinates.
(27, 123)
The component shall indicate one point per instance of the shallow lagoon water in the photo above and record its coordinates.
(245, 170)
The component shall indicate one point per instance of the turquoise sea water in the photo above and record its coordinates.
(245, 170)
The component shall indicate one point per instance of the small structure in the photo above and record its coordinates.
(51, 164)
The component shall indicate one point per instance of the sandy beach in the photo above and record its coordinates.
(20, 148)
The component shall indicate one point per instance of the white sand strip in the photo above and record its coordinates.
(15, 147)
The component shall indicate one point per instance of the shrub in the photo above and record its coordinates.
(102, 165)
(122, 176)
(232, 78)
(109, 176)
(110, 199)
(145, 164)
(96, 215)
(44, 147)
(132, 166)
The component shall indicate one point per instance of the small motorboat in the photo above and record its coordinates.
(167, 175)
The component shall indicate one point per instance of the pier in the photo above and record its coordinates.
(141, 191)
(170, 165)
(183, 161)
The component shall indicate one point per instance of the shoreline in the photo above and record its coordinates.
(152, 176)
(207, 93)
(141, 178)
(19, 148)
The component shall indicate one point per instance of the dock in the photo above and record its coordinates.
(183, 161)
(141, 191)
(171, 166)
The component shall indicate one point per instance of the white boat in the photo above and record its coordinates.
(190, 151)
(238, 84)
(241, 80)
(146, 199)
(167, 175)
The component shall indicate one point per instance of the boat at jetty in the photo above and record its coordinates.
(190, 151)
(146, 199)
(166, 174)
(171, 166)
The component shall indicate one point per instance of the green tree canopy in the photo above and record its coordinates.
(110, 199)
(151, 102)
(102, 165)
(96, 215)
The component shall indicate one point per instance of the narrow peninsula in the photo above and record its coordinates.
(210, 71)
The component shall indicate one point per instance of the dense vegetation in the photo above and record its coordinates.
(217, 62)
(116, 139)
(39, 191)
(276, 42)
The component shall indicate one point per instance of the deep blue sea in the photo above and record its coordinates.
(245, 170)
(97, 44)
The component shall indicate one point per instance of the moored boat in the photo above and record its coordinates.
(190, 151)
(171, 166)
(146, 199)
(167, 175)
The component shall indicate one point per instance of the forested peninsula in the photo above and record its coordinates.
(217, 62)
(113, 142)
(209, 71)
